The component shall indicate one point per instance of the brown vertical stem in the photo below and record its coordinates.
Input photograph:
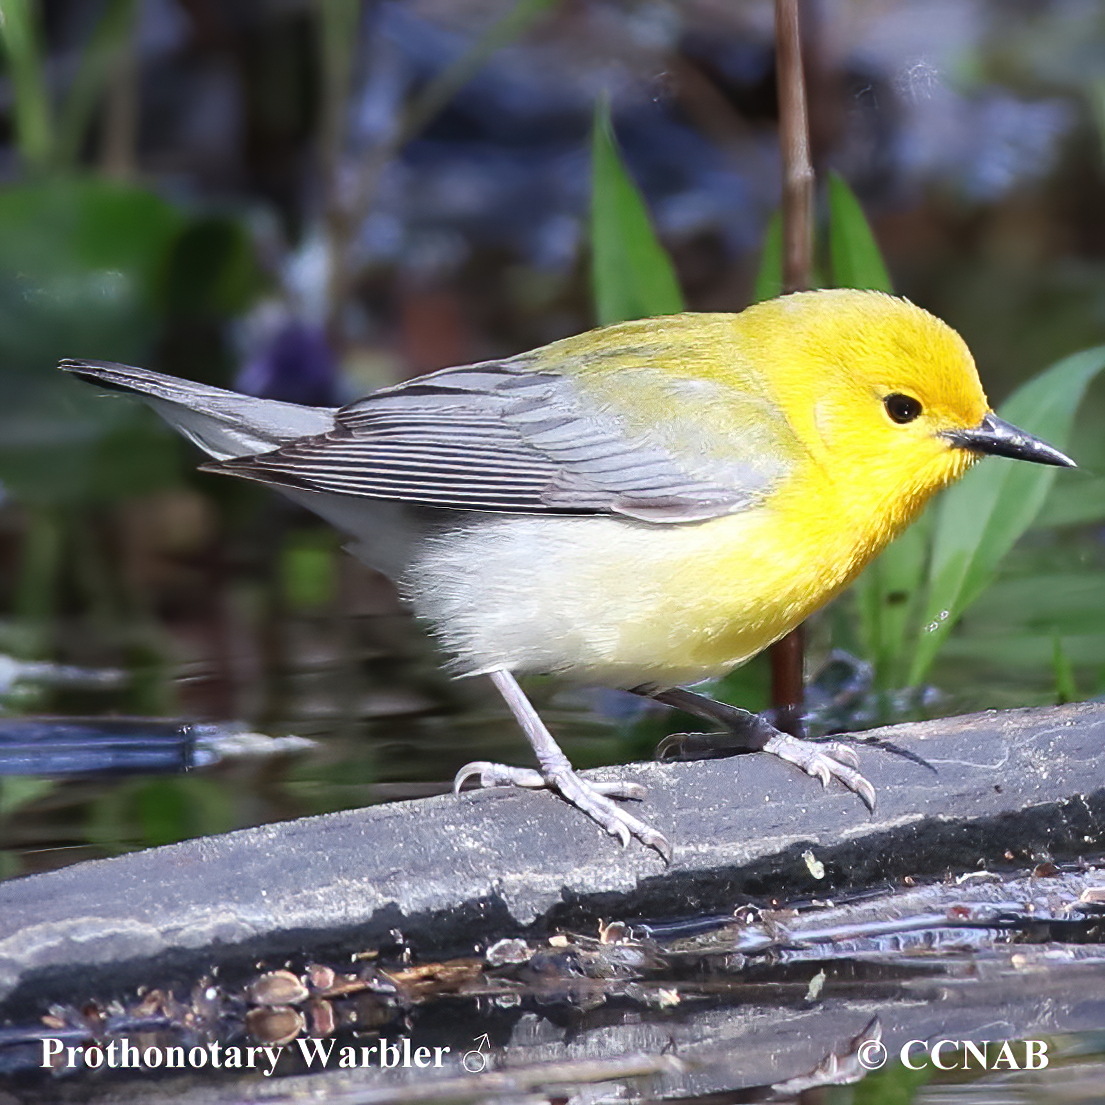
(794, 141)
(119, 141)
(786, 681)
(338, 27)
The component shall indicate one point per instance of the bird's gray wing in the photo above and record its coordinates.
(515, 436)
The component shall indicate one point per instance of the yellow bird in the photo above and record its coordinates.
(643, 506)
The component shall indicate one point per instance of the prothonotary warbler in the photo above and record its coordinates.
(642, 506)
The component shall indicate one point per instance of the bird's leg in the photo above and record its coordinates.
(556, 773)
(748, 732)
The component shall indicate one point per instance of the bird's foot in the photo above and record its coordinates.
(592, 798)
(824, 760)
(748, 732)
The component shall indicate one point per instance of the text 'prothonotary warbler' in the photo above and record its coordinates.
(642, 506)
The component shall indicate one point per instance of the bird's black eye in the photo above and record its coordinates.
(901, 408)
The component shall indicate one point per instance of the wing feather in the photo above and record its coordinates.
(520, 437)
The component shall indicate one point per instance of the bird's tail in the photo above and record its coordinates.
(222, 423)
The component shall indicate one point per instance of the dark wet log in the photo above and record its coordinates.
(451, 873)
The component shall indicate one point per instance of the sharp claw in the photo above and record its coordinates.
(844, 753)
(855, 782)
(499, 775)
(633, 792)
(867, 792)
(660, 843)
(474, 768)
(672, 745)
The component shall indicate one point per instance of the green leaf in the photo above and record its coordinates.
(21, 790)
(889, 596)
(981, 518)
(82, 273)
(854, 253)
(142, 813)
(37, 595)
(1064, 603)
(632, 274)
(769, 276)
(1095, 92)
(1029, 655)
(307, 569)
(893, 1085)
(22, 39)
(1065, 688)
(210, 269)
(100, 59)
(1074, 502)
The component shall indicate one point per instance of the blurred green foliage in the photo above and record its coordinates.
(978, 521)
(34, 125)
(97, 269)
(895, 1084)
(631, 273)
(769, 274)
(93, 269)
(853, 252)
(49, 135)
(308, 568)
(148, 812)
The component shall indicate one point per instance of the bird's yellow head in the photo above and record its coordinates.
(884, 397)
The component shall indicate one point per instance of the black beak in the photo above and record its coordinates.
(1001, 439)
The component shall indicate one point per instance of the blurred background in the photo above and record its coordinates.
(308, 200)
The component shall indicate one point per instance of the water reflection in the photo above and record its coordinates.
(992, 987)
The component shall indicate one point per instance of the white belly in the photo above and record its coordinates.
(604, 599)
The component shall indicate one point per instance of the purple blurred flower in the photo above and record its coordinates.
(294, 364)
